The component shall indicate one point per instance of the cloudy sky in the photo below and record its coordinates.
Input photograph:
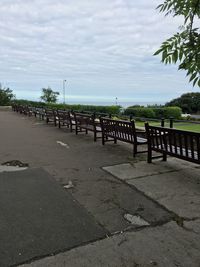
(102, 48)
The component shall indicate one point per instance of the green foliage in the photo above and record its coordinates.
(49, 96)
(6, 96)
(91, 108)
(189, 103)
(24, 102)
(184, 46)
(168, 112)
(140, 112)
(161, 112)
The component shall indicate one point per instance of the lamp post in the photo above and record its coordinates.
(64, 81)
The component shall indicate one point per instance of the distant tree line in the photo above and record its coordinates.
(189, 102)
(154, 112)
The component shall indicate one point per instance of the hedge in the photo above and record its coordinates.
(161, 112)
(91, 108)
(168, 112)
(140, 112)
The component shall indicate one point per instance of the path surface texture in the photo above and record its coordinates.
(74, 202)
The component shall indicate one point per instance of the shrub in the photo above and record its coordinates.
(140, 112)
(167, 112)
(91, 108)
(158, 112)
(28, 103)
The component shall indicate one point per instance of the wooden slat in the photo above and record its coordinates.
(191, 146)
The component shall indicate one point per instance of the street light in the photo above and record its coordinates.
(64, 81)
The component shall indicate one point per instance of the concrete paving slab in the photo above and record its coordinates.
(177, 191)
(163, 246)
(109, 199)
(127, 171)
(38, 217)
(193, 226)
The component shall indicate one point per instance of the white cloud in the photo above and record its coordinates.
(100, 47)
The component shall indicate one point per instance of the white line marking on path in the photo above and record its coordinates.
(62, 144)
(11, 168)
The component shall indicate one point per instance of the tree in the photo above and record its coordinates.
(184, 46)
(189, 102)
(49, 96)
(6, 96)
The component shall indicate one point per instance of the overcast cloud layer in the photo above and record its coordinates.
(102, 48)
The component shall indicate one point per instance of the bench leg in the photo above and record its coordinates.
(115, 140)
(149, 155)
(95, 136)
(59, 124)
(103, 140)
(76, 130)
(164, 157)
(47, 120)
(134, 150)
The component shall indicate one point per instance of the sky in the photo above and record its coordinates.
(103, 49)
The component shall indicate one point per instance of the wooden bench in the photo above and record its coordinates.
(87, 122)
(125, 131)
(40, 112)
(50, 115)
(65, 118)
(22, 109)
(177, 143)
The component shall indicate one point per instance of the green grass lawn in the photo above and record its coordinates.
(178, 125)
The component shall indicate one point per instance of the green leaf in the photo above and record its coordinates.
(158, 51)
(193, 76)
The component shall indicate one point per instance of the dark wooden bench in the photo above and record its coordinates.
(50, 115)
(40, 112)
(87, 122)
(65, 118)
(177, 143)
(125, 131)
(22, 109)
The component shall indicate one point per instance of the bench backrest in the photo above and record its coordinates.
(119, 129)
(81, 118)
(50, 112)
(179, 143)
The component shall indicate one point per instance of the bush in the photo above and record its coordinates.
(140, 112)
(90, 108)
(168, 112)
(28, 103)
(158, 112)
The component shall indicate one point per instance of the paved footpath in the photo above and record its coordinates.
(150, 212)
